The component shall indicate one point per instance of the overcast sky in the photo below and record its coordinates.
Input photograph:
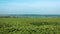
(29, 6)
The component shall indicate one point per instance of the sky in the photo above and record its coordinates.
(29, 6)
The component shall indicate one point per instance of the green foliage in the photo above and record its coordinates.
(29, 25)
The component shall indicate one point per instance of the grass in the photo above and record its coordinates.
(29, 25)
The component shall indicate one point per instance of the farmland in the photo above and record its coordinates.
(29, 25)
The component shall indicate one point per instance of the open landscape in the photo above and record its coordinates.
(29, 16)
(29, 25)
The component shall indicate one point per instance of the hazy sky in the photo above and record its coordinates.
(29, 6)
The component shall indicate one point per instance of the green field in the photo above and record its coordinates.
(29, 25)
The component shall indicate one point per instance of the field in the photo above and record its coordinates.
(29, 25)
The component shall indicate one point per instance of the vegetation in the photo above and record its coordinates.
(29, 25)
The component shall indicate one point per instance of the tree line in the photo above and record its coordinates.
(8, 17)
